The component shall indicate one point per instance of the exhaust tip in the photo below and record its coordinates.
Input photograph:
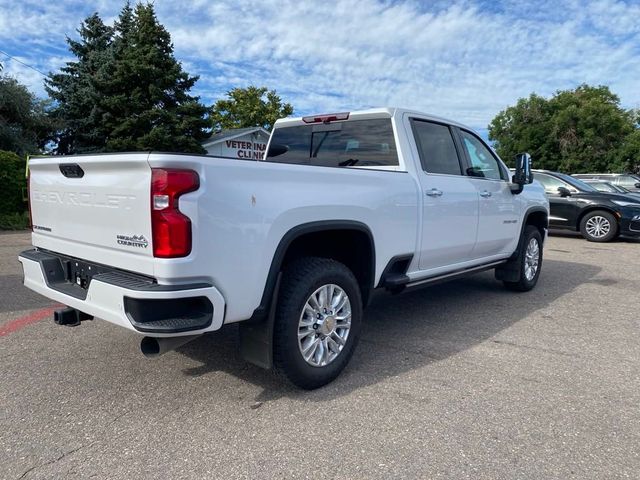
(150, 347)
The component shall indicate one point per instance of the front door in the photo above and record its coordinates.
(450, 201)
(563, 211)
(498, 224)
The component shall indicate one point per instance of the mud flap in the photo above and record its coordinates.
(256, 338)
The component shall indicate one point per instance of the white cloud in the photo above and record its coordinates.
(462, 59)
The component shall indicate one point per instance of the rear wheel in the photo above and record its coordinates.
(599, 226)
(317, 322)
(529, 261)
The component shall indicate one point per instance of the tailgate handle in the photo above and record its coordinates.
(71, 170)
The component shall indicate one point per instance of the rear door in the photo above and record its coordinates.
(498, 223)
(450, 201)
(95, 207)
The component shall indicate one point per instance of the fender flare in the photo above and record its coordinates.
(288, 238)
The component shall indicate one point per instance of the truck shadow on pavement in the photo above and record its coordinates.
(406, 332)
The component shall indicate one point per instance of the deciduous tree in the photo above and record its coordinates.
(580, 130)
(249, 107)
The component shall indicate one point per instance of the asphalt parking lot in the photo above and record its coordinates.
(460, 380)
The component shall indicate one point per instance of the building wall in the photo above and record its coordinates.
(252, 146)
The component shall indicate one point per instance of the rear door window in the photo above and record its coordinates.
(436, 148)
(355, 143)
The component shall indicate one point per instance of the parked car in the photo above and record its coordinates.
(598, 216)
(629, 181)
(172, 246)
(604, 186)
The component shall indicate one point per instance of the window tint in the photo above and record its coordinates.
(436, 148)
(483, 163)
(356, 143)
(549, 183)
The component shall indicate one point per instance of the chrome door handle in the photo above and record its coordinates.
(434, 192)
(485, 194)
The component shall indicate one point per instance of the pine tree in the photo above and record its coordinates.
(126, 91)
(76, 90)
(146, 94)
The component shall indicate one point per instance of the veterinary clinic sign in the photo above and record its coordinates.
(246, 150)
(240, 143)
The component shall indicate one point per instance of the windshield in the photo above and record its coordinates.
(604, 186)
(574, 182)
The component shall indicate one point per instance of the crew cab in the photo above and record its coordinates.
(598, 216)
(172, 246)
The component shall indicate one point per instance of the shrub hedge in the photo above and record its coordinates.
(12, 184)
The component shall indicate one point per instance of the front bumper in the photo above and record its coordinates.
(630, 224)
(136, 303)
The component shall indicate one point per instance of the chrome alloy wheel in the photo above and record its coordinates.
(324, 325)
(598, 226)
(531, 259)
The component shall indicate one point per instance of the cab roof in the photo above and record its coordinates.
(381, 112)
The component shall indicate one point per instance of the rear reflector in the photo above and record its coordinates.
(329, 117)
(171, 228)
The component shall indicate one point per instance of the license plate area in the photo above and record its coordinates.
(80, 273)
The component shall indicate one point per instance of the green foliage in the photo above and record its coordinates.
(24, 125)
(77, 89)
(580, 130)
(13, 181)
(14, 221)
(126, 91)
(249, 107)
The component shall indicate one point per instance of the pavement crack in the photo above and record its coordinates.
(539, 349)
(55, 460)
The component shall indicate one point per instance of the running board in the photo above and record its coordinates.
(453, 275)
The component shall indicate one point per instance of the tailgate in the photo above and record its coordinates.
(94, 207)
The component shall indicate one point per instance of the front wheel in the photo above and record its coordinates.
(529, 261)
(599, 226)
(317, 322)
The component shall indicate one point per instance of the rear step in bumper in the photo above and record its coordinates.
(153, 310)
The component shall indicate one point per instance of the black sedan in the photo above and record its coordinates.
(598, 216)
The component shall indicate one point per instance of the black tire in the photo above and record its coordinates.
(524, 282)
(299, 281)
(604, 218)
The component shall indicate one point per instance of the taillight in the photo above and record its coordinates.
(171, 229)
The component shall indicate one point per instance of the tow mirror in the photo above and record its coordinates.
(523, 174)
(564, 192)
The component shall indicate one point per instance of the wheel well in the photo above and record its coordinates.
(352, 247)
(593, 209)
(540, 220)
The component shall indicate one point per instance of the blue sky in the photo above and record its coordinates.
(465, 60)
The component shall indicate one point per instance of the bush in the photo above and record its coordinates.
(13, 183)
(14, 221)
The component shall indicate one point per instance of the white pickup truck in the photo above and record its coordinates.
(172, 246)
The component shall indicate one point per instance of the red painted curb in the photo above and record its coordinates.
(20, 323)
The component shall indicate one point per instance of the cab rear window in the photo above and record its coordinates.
(355, 143)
